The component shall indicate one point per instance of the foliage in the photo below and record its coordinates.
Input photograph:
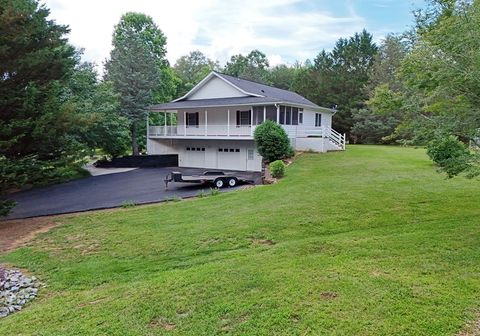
(6, 206)
(370, 127)
(374, 223)
(99, 125)
(451, 155)
(340, 77)
(277, 168)
(214, 191)
(271, 141)
(441, 73)
(36, 62)
(128, 204)
(377, 122)
(253, 67)
(391, 52)
(191, 69)
(136, 66)
(282, 76)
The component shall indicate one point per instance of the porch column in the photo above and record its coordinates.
(278, 114)
(228, 122)
(165, 122)
(264, 112)
(184, 123)
(251, 121)
(206, 118)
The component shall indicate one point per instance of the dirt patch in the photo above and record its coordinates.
(17, 232)
(263, 242)
(161, 322)
(472, 329)
(328, 295)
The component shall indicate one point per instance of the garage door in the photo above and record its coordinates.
(232, 158)
(194, 157)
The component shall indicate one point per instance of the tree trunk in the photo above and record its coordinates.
(134, 140)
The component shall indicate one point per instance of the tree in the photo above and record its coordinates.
(377, 121)
(96, 105)
(391, 52)
(272, 141)
(136, 65)
(341, 76)
(191, 69)
(35, 61)
(253, 67)
(441, 73)
(282, 76)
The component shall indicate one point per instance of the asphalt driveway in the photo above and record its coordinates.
(140, 186)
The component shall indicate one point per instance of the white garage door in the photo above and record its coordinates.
(231, 158)
(194, 157)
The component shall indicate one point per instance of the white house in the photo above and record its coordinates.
(213, 124)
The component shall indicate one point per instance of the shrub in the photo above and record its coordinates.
(277, 168)
(450, 154)
(272, 141)
(214, 192)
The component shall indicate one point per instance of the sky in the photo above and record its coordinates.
(285, 30)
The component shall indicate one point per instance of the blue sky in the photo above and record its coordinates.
(286, 30)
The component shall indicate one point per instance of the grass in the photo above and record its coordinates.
(371, 241)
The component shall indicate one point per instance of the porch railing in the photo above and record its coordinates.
(201, 130)
(293, 131)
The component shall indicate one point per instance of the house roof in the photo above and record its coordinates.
(255, 93)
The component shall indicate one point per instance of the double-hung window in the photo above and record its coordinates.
(318, 120)
(192, 119)
(244, 118)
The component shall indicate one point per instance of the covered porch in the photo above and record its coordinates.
(233, 121)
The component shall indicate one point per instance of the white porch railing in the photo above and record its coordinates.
(293, 131)
(201, 130)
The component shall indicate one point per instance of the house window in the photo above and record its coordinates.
(282, 115)
(294, 115)
(229, 150)
(288, 115)
(244, 118)
(258, 114)
(272, 112)
(300, 118)
(318, 119)
(192, 119)
(250, 154)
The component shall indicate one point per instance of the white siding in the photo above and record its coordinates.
(216, 88)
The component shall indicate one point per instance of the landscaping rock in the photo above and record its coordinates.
(16, 290)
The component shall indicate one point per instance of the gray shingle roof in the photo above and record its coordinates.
(267, 91)
(269, 94)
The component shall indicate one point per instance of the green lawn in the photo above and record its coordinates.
(371, 241)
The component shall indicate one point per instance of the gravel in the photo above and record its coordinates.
(16, 290)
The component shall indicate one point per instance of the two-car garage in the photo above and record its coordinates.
(238, 155)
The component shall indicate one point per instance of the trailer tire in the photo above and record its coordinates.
(232, 182)
(219, 183)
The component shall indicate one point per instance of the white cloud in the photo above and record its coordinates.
(220, 29)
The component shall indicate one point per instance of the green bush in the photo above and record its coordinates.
(277, 169)
(450, 154)
(272, 141)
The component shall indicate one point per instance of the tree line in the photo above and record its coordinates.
(417, 87)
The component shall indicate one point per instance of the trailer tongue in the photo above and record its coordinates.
(217, 178)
